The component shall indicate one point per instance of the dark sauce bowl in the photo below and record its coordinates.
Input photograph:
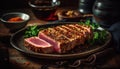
(43, 9)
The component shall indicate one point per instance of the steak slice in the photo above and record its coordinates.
(38, 45)
(54, 38)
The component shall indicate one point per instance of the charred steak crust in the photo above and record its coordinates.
(66, 37)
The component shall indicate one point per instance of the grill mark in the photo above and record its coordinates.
(65, 46)
(73, 38)
(79, 31)
(79, 27)
(70, 33)
(52, 33)
(87, 30)
(76, 36)
(84, 27)
(64, 32)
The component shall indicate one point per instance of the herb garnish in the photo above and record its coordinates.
(94, 26)
(99, 36)
(32, 31)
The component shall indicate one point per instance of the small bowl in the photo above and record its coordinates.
(19, 20)
(72, 15)
(42, 9)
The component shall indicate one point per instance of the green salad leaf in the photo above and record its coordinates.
(32, 31)
(91, 24)
(99, 36)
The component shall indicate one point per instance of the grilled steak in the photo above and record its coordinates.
(38, 45)
(66, 37)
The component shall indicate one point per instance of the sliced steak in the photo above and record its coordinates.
(65, 37)
(54, 38)
(38, 45)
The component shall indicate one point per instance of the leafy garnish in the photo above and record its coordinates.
(99, 36)
(32, 31)
(91, 24)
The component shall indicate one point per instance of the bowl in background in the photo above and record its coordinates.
(43, 9)
(72, 15)
(15, 20)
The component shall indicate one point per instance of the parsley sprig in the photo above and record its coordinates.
(94, 26)
(99, 36)
(32, 31)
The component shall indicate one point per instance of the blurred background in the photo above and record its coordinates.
(12, 4)
(15, 4)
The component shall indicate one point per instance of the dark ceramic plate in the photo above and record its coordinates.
(17, 41)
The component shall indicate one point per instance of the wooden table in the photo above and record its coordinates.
(17, 60)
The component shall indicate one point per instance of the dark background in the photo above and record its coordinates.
(13, 4)
(16, 4)
(19, 4)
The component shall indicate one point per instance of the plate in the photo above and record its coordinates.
(17, 40)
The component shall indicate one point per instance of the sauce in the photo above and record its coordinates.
(71, 13)
(15, 19)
